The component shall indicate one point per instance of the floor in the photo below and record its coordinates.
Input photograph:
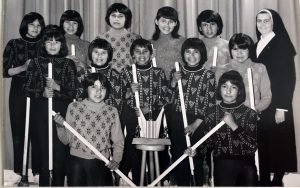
(12, 180)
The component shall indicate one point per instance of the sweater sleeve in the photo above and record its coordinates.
(33, 86)
(210, 93)
(64, 135)
(248, 134)
(8, 58)
(265, 90)
(117, 139)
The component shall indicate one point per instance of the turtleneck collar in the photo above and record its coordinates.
(115, 32)
(94, 106)
(144, 67)
(231, 106)
(31, 39)
(192, 69)
(101, 67)
(68, 36)
(238, 64)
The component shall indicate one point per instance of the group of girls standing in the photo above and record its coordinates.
(98, 78)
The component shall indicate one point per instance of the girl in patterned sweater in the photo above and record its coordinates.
(62, 88)
(16, 58)
(199, 87)
(152, 87)
(234, 144)
(118, 17)
(100, 53)
(99, 124)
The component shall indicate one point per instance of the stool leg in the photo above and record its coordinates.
(143, 168)
(157, 170)
(151, 165)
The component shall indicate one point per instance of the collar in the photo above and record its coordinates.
(192, 69)
(100, 67)
(231, 106)
(144, 67)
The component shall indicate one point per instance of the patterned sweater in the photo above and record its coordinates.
(99, 124)
(17, 52)
(64, 74)
(168, 51)
(229, 144)
(223, 54)
(199, 87)
(261, 82)
(121, 42)
(114, 79)
(152, 86)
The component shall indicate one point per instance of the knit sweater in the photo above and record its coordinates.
(17, 52)
(152, 86)
(121, 42)
(261, 82)
(226, 143)
(199, 87)
(168, 51)
(223, 54)
(64, 74)
(113, 77)
(99, 124)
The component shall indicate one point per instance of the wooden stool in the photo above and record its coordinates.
(153, 146)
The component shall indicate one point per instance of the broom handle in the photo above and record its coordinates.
(24, 169)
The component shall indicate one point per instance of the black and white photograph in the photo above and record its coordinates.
(150, 93)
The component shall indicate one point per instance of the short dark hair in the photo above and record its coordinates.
(242, 41)
(72, 15)
(121, 8)
(235, 78)
(102, 44)
(53, 31)
(168, 13)
(197, 44)
(210, 16)
(142, 43)
(90, 79)
(29, 18)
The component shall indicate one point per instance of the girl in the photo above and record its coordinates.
(62, 88)
(118, 17)
(199, 87)
(16, 58)
(99, 123)
(166, 40)
(276, 51)
(210, 25)
(72, 27)
(100, 54)
(152, 86)
(241, 48)
(234, 144)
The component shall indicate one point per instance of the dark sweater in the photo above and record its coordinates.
(226, 143)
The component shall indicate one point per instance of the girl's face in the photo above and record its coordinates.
(96, 92)
(141, 55)
(117, 20)
(239, 55)
(99, 56)
(229, 92)
(52, 46)
(192, 57)
(34, 29)
(70, 27)
(264, 23)
(209, 30)
(165, 25)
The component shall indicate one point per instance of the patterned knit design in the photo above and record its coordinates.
(261, 82)
(228, 143)
(152, 86)
(97, 124)
(16, 53)
(121, 46)
(199, 92)
(114, 78)
(223, 54)
(64, 74)
(168, 51)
